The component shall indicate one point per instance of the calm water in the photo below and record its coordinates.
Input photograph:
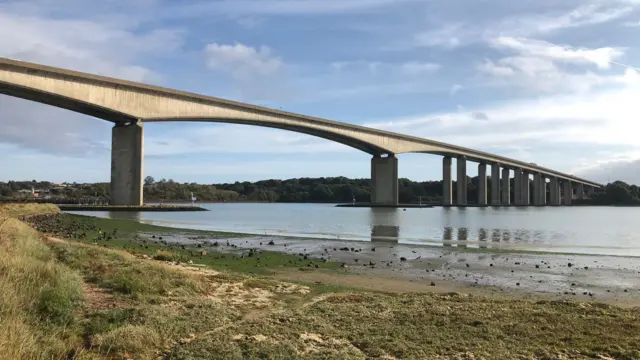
(593, 230)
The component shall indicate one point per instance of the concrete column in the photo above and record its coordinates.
(526, 198)
(127, 154)
(495, 184)
(482, 184)
(554, 191)
(537, 178)
(543, 190)
(580, 191)
(517, 186)
(506, 188)
(568, 192)
(384, 180)
(446, 181)
(461, 182)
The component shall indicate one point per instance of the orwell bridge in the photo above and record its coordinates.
(129, 105)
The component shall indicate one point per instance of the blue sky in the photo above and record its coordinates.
(541, 81)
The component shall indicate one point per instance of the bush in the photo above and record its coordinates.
(163, 255)
(57, 303)
(129, 338)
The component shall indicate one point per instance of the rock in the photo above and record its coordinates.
(271, 243)
(569, 264)
(537, 266)
(433, 284)
(403, 259)
(373, 249)
(517, 284)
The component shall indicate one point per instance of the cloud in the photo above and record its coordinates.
(584, 15)
(541, 66)
(601, 57)
(410, 68)
(526, 23)
(101, 47)
(242, 61)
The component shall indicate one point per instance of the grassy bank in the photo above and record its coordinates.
(73, 299)
(146, 208)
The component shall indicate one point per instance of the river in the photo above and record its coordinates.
(586, 230)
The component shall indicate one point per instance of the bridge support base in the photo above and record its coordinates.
(384, 180)
(126, 164)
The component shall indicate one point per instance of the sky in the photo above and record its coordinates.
(541, 81)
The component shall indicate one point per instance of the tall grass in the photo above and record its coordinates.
(39, 297)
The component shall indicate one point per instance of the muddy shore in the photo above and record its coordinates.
(580, 277)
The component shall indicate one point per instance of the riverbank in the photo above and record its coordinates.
(131, 292)
(156, 208)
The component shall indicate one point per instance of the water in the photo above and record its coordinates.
(588, 230)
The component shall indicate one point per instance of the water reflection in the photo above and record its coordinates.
(447, 236)
(482, 237)
(384, 224)
(387, 233)
(463, 234)
(127, 215)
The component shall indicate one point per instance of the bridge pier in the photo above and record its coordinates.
(517, 187)
(495, 184)
(537, 178)
(482, 184)
(580, 191)
(526, 197)
(384, 180)
(506, 191)
(461, 182)
(543, 190)
(568, 192)
(447, 196)
(127, 155)
(554, 191)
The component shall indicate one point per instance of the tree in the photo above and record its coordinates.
(149, 180)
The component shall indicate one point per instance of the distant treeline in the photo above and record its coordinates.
(328, 190)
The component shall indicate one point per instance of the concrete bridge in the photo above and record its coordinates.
(129, 104)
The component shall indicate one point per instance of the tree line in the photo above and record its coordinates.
(324, 189)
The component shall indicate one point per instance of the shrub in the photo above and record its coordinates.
(163, 255)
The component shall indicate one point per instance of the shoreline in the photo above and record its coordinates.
(143, 208)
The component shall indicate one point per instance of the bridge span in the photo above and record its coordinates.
(130, 104)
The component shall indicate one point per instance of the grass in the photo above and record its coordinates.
(38, 295)
(76, 300)
(151, 240)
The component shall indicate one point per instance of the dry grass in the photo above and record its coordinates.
(38, 296)
(27, 209)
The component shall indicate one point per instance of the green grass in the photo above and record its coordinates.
(137, 238)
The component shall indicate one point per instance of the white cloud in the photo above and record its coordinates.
(93, 46)
(602, 57)
(540, 66)
(584, 15)
(410, 68)
(525, 24)
(242, 61)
